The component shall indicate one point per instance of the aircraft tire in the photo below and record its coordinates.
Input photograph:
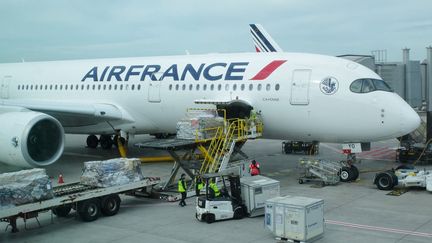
(106, 142)
(92, 141)
(355, 173)
(345, 174)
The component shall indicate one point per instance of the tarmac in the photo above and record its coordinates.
(354, 212)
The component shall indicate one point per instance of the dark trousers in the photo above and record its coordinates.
(182, 201)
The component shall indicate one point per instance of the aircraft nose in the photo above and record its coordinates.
(410, 120)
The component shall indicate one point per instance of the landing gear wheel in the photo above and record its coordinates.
(110, 205)
(300, 181)
(384, 181)
(92, 141)
(62, 211)
(89, 210)
(345, 174)
(355, 173)
(210, 218)
(106, 142)
(238, 213)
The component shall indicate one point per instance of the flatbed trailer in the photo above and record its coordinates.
(89, 202)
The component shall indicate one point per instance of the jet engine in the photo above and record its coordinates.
(30, 139)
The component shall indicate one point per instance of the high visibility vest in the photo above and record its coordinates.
(200, 186)
(215, 189)
(254, 169)
(181, 187)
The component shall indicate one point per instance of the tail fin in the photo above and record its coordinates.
(262, 40)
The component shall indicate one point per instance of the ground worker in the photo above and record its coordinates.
(254, 168)
(213, 189)
(182, 189)
(199, 184)
(252, 122)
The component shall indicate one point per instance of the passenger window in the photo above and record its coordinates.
(250, 87)
(132, 87)
(190, 86)
(235, 87)
(66, 87)
(205, 87)
(176, 87)
(242, 87)
(36, 87)
(259, 87)
(219, 86)
(121, 87)
(109, 87)
(197, 87)
(183, 86)
(268, 86)
(139, 87)
(170, 87)
(277, 87)
(226, 87)
(19, 86)
(115, 86)
(104, 86)
(211, 86)
(55, 87)
(31, 87)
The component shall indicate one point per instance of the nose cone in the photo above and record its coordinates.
(410, 120)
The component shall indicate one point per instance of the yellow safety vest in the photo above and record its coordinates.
(180, 186)
(215, 189)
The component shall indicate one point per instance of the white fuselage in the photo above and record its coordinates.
(289, 96)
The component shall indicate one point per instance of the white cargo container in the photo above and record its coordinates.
(255, 191)
(295, 218)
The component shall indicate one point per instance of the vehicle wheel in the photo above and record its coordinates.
(384, 181)
(62, 211)
(300, 181)
(345, 174)
(92, 141)
(238, 213)
(210, 218)
(405, 167)
(89, 210)
(355, 173)
(106, 142)
(110, 205)
(122, 141)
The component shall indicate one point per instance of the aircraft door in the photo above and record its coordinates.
(5, 87)
(300, 87)
(154, 91)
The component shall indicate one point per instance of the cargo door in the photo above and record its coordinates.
(154, 91)
(300, 87)
(4, 93)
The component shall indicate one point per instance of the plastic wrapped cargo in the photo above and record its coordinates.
(197, 124)
(23, 187)
(113, 172)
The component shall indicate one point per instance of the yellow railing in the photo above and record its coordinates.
(221, 139)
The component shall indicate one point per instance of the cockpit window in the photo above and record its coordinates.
(369, 85)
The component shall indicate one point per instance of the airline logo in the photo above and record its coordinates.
(329, 85)
(211, 72)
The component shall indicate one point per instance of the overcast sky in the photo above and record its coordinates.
(38, 30)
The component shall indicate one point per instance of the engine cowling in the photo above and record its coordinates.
(30, 139)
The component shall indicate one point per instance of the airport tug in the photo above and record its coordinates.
(227, 205)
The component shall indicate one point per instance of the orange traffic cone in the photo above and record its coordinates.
(60, 179)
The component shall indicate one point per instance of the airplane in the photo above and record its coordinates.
(300, 96)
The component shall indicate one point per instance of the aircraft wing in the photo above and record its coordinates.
(70, 113)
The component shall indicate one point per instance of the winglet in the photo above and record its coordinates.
(262, 40)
